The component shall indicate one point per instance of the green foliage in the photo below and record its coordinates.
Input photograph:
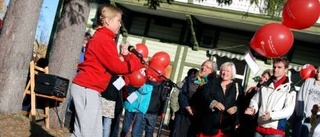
(153, 4)
(270, 7)
(274, 7)
(224, 2)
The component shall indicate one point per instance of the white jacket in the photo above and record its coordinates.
(279, 102)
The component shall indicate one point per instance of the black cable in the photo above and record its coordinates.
(56, 110)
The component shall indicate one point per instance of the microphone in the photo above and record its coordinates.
(135, 52)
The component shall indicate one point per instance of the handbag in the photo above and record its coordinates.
(107, 107)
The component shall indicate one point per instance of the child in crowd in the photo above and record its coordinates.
(94, 73)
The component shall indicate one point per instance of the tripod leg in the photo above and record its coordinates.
(163, 115)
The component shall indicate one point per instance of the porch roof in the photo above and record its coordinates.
(218, 17)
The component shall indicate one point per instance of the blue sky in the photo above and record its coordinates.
(47, 14)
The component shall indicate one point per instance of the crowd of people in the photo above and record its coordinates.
(204, 104)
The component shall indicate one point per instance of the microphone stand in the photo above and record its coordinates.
(141, 59)
(168, 88)
(139, 55)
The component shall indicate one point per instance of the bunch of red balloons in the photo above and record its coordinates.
(274, 39)
(157, 66)
(142, 49)
(137, 78)
(154, 71)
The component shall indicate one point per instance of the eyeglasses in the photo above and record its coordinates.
(205, 66)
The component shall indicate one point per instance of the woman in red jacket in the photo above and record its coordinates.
(100, 63)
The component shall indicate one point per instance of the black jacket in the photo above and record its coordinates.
(158, 97)
(112, 93)
(215, 120)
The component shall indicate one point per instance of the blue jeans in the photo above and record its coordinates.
(150, 121)
(115, 126)
(106, 126)
(134, 120)
(257, 134)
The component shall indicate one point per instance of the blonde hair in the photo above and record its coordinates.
(106, 11)
(233, 68)
(124, 43)
(213, 65)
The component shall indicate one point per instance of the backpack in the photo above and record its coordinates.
(174, 97)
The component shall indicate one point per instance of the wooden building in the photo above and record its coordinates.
(191, 31)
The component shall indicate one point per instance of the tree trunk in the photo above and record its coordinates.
(67, 44)
(16, 46)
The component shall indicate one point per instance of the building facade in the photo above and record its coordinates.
(192, 31)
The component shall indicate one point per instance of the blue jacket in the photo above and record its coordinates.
(141, 104)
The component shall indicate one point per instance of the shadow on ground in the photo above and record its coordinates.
(17, 125)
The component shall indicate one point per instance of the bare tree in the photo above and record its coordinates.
(68, 41)
(16, 47)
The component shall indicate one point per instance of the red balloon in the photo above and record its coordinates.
(160, 59)
(137, 78)
(307, 71)
(155, 73)
(142, 48)
(272, 40)
(300, 14)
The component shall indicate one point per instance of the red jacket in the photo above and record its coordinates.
(101, 61)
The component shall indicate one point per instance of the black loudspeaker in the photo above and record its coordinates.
(51, 85)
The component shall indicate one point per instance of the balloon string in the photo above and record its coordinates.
(298, 82)
(231, 47)
(160, 75)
